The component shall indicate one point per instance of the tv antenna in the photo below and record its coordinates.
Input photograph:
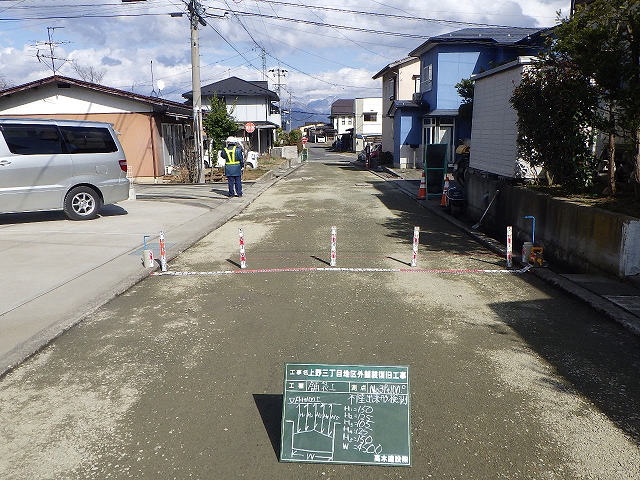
(153, 90)
(50, 59)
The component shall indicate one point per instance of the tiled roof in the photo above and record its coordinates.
(495, 36)
(397, 63)
(503, 36)
(342, 106)
(234, 86)
(60, 80)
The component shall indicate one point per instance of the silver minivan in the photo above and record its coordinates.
(68, 165)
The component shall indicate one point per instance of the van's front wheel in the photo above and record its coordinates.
(82, 203)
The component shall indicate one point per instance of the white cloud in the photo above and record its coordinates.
(322, 61)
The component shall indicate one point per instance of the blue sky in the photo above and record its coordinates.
(329, 48)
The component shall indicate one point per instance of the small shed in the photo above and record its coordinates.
(153, 131)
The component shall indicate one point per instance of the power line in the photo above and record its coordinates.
(390, 15)
(331, 25)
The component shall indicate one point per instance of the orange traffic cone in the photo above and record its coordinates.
(443, 199)
(422, 193)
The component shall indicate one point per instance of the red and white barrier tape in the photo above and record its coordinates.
(344, 269)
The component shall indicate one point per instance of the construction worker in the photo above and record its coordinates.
(233, 165)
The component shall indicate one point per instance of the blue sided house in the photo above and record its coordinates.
(430, 121)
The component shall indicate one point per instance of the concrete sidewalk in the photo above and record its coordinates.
(56, 271)
(619, 301)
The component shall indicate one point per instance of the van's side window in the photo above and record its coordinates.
(88, 140)
(33, 139)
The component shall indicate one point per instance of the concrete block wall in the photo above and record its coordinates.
(579, 237)
(289, 152)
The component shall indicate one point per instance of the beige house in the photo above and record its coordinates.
(152, 130)
(400, 82)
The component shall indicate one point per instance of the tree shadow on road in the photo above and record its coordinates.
(434, 231)
(595, 359)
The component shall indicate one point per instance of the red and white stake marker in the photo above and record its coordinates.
(416, 242)
(243, 258)
(509, 247)
(334, 232)
(163, 253)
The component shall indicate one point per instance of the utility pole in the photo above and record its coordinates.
(263, 54)
(279, 72)
(195, 13)
(290, 113)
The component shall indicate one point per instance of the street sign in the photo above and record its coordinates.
(304, 140)
(249, 127)
(353, 414)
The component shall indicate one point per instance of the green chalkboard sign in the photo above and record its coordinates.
(356, 414)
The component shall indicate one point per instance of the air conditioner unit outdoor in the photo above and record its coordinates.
(417, 97)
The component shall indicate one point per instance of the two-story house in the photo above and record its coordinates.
(445, 60)
(368, 122)
(342, 115)
(248, 102)
(400, 80)
(357, 121)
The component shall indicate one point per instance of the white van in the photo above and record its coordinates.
(74, 166)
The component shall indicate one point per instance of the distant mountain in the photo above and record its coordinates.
(315, 111)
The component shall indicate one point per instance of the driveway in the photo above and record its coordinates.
(56, 271)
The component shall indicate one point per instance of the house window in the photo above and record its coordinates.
(343, 121)
(371, 117)
(426, 79)
(391, 87)
(416, 83)
(350, 121)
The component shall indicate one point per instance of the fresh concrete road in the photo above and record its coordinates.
(182, 375)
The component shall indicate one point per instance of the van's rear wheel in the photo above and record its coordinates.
(82, 203)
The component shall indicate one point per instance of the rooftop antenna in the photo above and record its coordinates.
(50, 59)
(153, 91)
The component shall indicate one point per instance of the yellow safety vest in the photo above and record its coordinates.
(231, 156)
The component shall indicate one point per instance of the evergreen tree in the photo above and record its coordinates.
(219, 122)
(557, 112)
(603, 42)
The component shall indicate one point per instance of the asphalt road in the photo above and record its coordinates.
(182, 375)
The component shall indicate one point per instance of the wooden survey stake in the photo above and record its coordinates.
(355, 414)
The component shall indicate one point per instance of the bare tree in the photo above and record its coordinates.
(89, 73)
(4, 83)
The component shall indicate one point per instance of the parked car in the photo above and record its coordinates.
(74, 166)
(250, 157)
